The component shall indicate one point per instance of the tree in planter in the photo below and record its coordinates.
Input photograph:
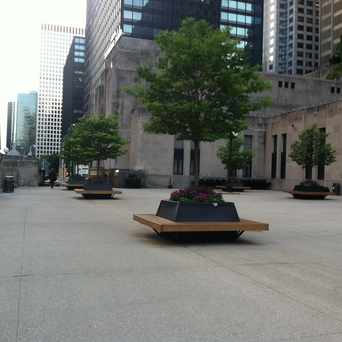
(233, 155)
(71, 152)
(94, 138)
(311, 149)
(53, 161)
(200, 89)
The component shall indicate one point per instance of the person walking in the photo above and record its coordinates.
(52, 177)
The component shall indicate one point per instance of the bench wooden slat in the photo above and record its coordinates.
(162, 225)
(97, 192)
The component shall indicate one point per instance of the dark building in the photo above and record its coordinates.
(10, 124)
(73, 84)
(244, 18)
(108, 20)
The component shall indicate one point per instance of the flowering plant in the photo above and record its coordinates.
(196, 195)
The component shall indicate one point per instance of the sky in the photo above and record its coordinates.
(20, 22)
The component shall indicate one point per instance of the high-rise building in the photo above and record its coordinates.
(73, 84)
(10, 124)
(25, 122)
(107, 21)
(331, 28)
(291, 36)
(55, 45)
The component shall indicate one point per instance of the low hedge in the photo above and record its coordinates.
(256, 184)
(311, 186)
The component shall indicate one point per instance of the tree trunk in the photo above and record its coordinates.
(98, 169)
(308, 173)
(196, 162)
(228, 175)
(229, 169)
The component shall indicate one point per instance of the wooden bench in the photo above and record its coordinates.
(162, 226)
(310, 195)
(98, 193)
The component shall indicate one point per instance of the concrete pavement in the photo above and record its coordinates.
(73, 270)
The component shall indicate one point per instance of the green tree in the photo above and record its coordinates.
(93, 138)
(52, 161)
(311, 149)
(71, 152)
(233, 155)
(200, 89)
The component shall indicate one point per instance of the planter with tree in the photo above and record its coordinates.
(94, 138)
(234, 157)
(309, 151)
(200, 89)
(71, 155)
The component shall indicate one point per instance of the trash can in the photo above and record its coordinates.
(8, 184)
(336, 188)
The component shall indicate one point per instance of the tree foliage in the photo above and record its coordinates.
(53, 161)
(311, 149)
(233, 154)
(200, 89)
(93, 138)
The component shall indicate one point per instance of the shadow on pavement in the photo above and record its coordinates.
(197, 239)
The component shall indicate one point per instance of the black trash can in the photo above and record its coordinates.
(336, 188)
(8, 184)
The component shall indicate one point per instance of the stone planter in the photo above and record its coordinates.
(310, 195)
(198, 212)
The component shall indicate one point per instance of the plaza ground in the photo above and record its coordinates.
(73, 270)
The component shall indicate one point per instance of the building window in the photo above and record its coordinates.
(274, 157)
(178, 159)
(248, 145)
(283, 157)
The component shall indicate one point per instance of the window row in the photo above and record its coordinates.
(136, 3)
(286, 84)
(237, 18)
(237, 5)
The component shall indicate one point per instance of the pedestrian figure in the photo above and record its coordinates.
(53, 178)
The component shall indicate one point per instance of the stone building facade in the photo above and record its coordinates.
(287, 126)
(157, 155)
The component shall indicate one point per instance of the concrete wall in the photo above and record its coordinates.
(24, 171)
(328, 116)
(294, 92)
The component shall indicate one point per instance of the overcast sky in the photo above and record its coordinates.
(20, 22)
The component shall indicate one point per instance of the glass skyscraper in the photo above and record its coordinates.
(244, 18)
(25, 123)
(73, 84)
(108, 20)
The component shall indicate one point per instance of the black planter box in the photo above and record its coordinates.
(202, 212)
